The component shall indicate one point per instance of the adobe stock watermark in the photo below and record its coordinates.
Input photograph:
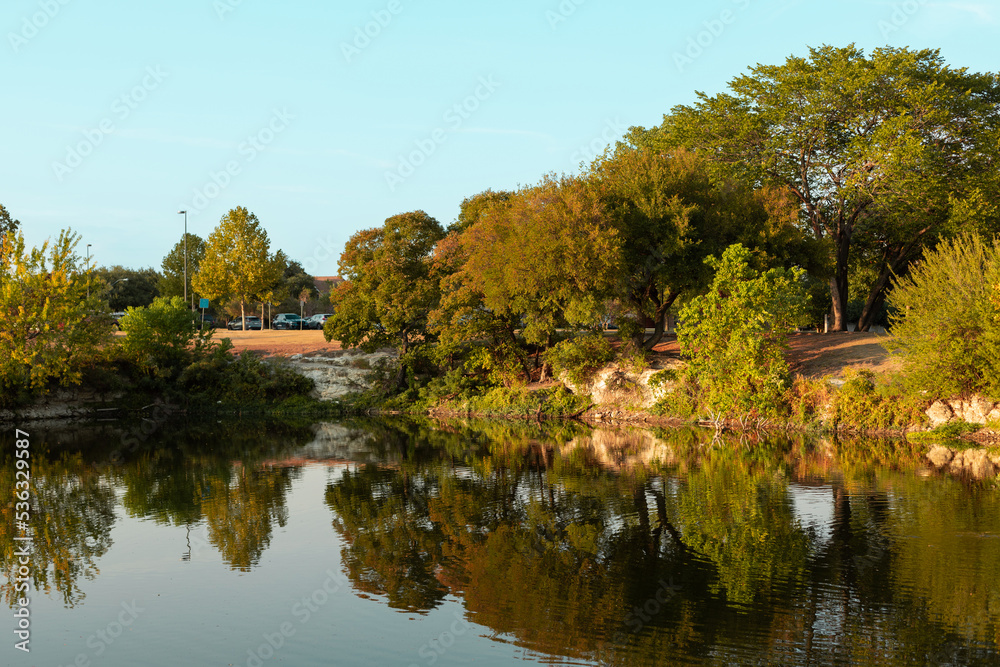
(102, 639)
(454, 118)
(34, 24)
(366, 34)
(303, 611)
(433, 649)
(613, 130)
(901, 14)
(637, 618)
(326, 250)
(121, 108)
(248, 150)
(224, 7)
(563, 12)
(705, 38)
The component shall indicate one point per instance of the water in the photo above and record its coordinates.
(412, 543)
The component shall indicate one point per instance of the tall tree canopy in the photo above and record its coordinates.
(670, 212)
(237, 263)
(391, 284)
(7, 224)
(523, 265)
(892, 149)
(51, 327)
(126, 288)
(172, 281)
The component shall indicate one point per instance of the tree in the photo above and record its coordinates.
(171, 282)
(391, 285)
(295, 285)
(946, 316)
(50, 329)
(894, 149)
(527, 264)
(126, 288)
(237, 263)
(474, 208)
(671, 212)
(735, 335)
(162, 338)
(7, 224)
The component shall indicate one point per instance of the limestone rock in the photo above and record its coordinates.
(939, 413)
(617, 386)
(340, 375)
(974, 411)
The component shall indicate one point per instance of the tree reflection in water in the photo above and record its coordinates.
(70, 522)
(567, 549)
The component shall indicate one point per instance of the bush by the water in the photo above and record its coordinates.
(863, 403)
(735, 335)
(581, 357)
(946, 324)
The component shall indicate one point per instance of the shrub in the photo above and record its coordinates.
(247, 378)
(945, 433)
(863, 404)
(581, 357)
(946, 322)
(807, 399)
(162, 338)
(736, 334)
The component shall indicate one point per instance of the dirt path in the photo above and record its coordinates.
(284, 343)
(812, 355)
(815, 355)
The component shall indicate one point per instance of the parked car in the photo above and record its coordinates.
(316, 321)
(207, 323)
(252, 322)
(287, 321)
(115, 317)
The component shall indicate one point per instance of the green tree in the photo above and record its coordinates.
(295, 285)
(540, 260)
(391, 285)
(51, 329)
(893, 149)
(7, 224)
(735, 335)
(474, 208)
(237, 264)
(671, 212)
(171, 282)
(124, 288)
(946, 316)
(162, 338)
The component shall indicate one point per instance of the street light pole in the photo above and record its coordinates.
(88, 269)
(185, 254)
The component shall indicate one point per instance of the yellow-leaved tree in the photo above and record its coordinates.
(50, 327)
(237, 263)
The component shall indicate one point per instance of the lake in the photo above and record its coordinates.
(398, 542)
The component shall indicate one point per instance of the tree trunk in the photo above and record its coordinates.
(512, 337)
(660, 325)
(838, 282)
(875, 299)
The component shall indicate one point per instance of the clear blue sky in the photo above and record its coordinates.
(119, 113)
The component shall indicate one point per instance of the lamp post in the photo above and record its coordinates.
(88, 270)
(185, 213)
